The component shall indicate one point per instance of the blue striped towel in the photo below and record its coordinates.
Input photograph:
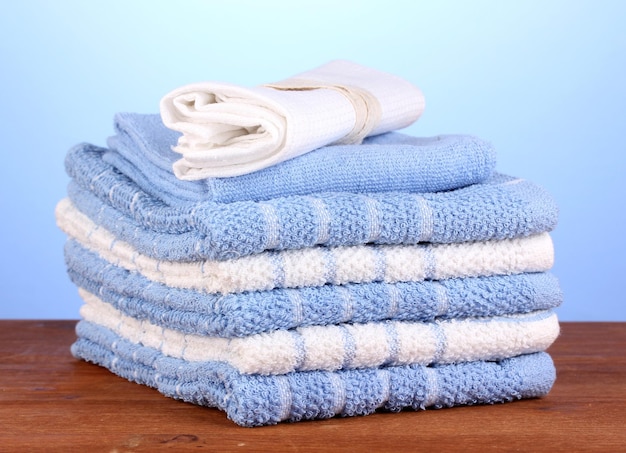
(255, 400)
(315, 266)
(502, 207)
(341, 346)
(251, 312)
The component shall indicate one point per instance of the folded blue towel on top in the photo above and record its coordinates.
(254, 400)
(500, 208)
(142, 149)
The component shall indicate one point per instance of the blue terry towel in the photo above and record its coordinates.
(313, 266)
(500, 208)
(343, 346)
(248, 313)
(389, 162)
(255, 400)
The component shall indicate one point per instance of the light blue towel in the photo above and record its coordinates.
(389, 162)
(255, 400)
(248, 313)
(500, 208)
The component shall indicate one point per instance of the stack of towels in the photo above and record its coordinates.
(282, 254)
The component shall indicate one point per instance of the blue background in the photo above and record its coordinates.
(545, 81)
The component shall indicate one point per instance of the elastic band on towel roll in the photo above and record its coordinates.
(367, 109)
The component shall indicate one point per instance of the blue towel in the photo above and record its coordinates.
(389, 162)
(255, 400)
(248, 313)
(500, 208)
(341, 346)
(315, 266)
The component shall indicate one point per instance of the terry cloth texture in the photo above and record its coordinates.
(254, 400)
(342, 346)
(500, 208)
(275, 301)
(230, 130)
(319, 265)
(248, 313)
(141, 149)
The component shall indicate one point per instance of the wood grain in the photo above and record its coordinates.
(50, 401)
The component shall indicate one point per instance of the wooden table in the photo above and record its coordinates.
(50, 401)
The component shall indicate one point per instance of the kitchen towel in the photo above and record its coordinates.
(256, 400)
(315, 266)
(502, 207)
(251, 312)
(340, 346)
(229, 130)
(141, 149)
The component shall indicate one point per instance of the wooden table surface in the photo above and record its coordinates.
(50, 401)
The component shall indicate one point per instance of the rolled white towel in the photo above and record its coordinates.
(230, 130)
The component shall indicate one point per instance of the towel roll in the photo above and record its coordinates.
(230, 130)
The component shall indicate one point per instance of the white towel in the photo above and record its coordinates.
(342, 346)
(230, 130)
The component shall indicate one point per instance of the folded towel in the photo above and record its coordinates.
(500, 208)
(255, 400)
(247, 313)
(317, 265)
(342, 346)
(230, 130)
(141, 149)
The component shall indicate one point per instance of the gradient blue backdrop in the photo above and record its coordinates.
(545, 81)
